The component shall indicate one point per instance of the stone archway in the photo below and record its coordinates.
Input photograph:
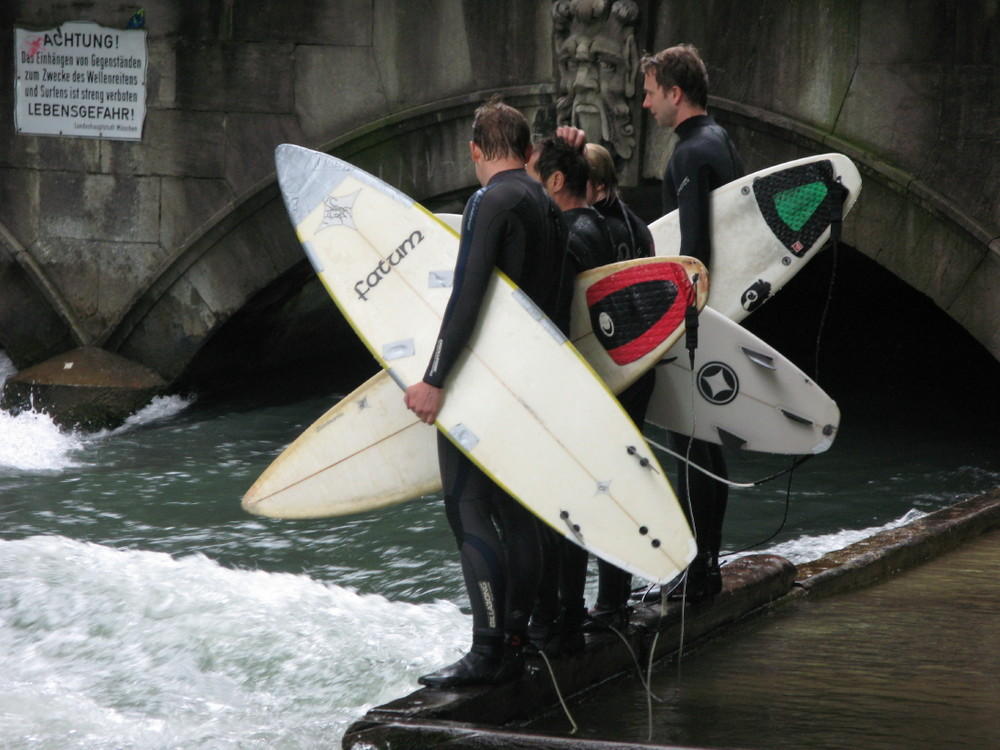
(251, 244)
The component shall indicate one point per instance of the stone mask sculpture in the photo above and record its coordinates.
(598, 67)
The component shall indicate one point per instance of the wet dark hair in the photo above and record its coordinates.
(556, 155)
(680, 66)
(500, 131)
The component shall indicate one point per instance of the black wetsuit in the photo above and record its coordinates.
(703, 160)
(596, 238)
(631, 236)
(632, 239)
(513, 225)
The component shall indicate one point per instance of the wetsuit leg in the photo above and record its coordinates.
(614, 584)
(572, 580)
(468, 499)
(520, 534)
(546, 608)
(704, 502)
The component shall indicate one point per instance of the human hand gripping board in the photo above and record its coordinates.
(369, 451)
(523, 404)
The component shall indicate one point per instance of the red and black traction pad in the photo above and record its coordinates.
(635, 309)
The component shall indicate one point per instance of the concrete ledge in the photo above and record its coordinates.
(465, 737)
(890, 552)
(475, 717)
(749, 584)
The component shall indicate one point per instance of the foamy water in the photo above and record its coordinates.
(121, 628)
(807, 548)
(104, 647)
(31, 441)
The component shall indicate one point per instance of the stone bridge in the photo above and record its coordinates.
(175, 251)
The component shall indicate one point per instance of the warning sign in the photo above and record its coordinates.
(80, 80)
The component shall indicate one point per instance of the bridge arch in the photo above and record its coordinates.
(100, 240)
(250, 248)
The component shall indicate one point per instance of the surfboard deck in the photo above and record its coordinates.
(369, 451)
(387, 263)
(767, 226)
(748, 395)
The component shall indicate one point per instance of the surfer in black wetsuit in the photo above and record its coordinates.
(510, 224)
(559, 612)
(595, 239)
(632, 239)
(676, 94)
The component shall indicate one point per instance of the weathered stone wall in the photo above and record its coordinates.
(910, 90)
(148, 248)
(95, 234)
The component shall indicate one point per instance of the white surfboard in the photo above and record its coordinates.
(742, 393)
(370, 451)
(387, 263)
(767, 226)
(765, 404)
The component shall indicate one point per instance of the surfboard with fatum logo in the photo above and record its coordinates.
(587, 472)
(369, 451)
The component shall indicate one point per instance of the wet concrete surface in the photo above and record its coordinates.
(910, 662)
(872, 630)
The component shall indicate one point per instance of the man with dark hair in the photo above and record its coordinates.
(632, 239)
(509, 224)
(675, 88)
(564, 172)
(559, 614)
(676, 95)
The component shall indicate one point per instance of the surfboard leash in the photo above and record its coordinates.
(691, 320)
(555, 684)
(836, 227)
(784, 519)
(797, 461)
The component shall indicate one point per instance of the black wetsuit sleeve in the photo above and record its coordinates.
(486, 223)
(693, 178)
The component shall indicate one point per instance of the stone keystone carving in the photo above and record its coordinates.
(598, 68)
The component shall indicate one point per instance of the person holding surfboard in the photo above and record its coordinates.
(596, 238)
(675, 90)
(559, 613)
(632, 239)
(513, 225)
(675, 84)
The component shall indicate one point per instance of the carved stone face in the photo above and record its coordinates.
(597, 71)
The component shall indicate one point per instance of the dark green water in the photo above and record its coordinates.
(910, 663)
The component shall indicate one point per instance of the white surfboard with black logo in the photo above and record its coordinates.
(522, 403)
(765, 228)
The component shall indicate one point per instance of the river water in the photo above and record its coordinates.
(140, 607)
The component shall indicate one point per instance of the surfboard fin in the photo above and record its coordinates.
(759, 359)
(796, 417)
(731, 441)
(644, 462)
(574, 528)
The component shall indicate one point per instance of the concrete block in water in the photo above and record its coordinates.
(86, 388)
